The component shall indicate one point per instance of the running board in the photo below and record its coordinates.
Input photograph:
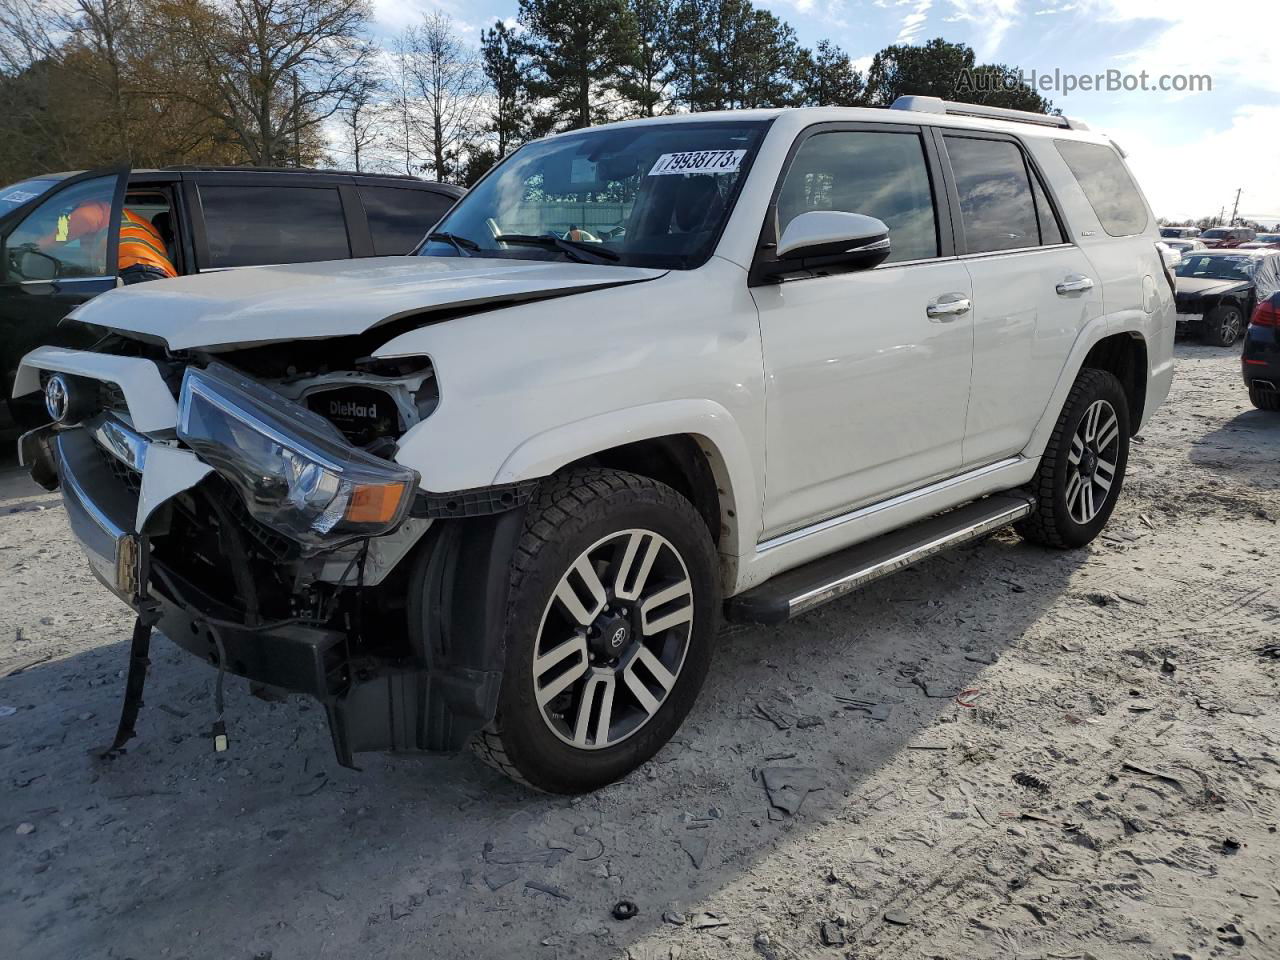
(827, 578)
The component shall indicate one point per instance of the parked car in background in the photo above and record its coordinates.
(496, 492)
(1260, 361)
(1179, 233)
(1264, 240)
(1228, 236)
(208, 219)
(1217, 291)
(1184, 247)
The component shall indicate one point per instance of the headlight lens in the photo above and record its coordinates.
(294, 469)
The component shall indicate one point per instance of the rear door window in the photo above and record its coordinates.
(997, 206)
(1050, 231)
(253, 225)
(399, 218)
(1106, 183)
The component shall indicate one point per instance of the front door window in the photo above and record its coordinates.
(64, 237)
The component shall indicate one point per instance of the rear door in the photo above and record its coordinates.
(1032, 290)
(57, 251)
(249, 220)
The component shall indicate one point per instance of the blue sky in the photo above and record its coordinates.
(1190, 151)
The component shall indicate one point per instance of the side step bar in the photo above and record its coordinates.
(827, 578)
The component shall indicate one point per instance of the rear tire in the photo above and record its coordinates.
(610, 622)
(1082, 471)
(1264, 399)
(1223, 326)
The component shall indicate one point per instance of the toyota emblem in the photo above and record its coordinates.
(618, 637)
(57, 398)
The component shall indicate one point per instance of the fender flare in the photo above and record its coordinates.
(1096, 330)
(710, 423)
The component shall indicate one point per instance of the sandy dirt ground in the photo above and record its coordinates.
(1003, 752)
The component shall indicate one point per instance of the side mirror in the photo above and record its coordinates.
(34, 265)
(831, 238)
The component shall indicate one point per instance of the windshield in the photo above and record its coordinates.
(1221, 268)
(16, 195)
(1217, 234)
(1268, 238)
(655, 195)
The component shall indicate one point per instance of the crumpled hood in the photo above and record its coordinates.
(305, 301)
(1207, 286)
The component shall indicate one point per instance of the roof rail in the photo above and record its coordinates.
(938, 105)
(251, 168)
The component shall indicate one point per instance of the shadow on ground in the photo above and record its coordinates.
(174, 850)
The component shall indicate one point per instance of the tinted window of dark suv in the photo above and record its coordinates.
(253, 225)
(399, 218)
(996, 203)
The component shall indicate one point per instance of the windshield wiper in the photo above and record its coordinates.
(571, 247)
(461, 244)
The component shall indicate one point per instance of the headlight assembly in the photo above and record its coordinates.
(294, 469)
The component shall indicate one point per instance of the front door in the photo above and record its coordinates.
(55, 254)
(867, 373)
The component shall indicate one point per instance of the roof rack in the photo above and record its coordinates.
(938, 105)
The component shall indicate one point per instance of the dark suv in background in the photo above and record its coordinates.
(210, 218)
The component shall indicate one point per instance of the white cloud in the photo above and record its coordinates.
(993, 19)
(1197, 178)
(1233, 41)
(913, 23)
(395, 15)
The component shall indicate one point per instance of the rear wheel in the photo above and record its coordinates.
(1264, 399)
(610, 625)
(1082, 470)
(1223, 326)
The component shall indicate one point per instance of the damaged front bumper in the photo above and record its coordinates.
(130, 501)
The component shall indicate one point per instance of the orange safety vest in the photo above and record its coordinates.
(142, 245)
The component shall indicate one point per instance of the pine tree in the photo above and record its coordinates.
(503, 61)
(576, 51)
(646, 79)
(825, 77)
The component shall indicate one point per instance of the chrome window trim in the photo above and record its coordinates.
(23, 283)
(1014, 250)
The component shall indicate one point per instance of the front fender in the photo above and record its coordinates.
(705, 420)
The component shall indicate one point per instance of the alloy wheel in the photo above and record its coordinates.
(1095, 452)
(612, 639)
(1230, 330)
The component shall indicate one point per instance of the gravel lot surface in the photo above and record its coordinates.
(1003, 752)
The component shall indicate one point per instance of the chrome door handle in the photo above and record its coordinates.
(947, 308)
(1074, 284)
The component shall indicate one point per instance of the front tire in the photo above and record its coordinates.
(610, 624)
(1223, 327)
(1082, 471)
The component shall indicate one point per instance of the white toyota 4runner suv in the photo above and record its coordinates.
(641, 378)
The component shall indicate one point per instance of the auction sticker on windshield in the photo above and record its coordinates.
(698, 161)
